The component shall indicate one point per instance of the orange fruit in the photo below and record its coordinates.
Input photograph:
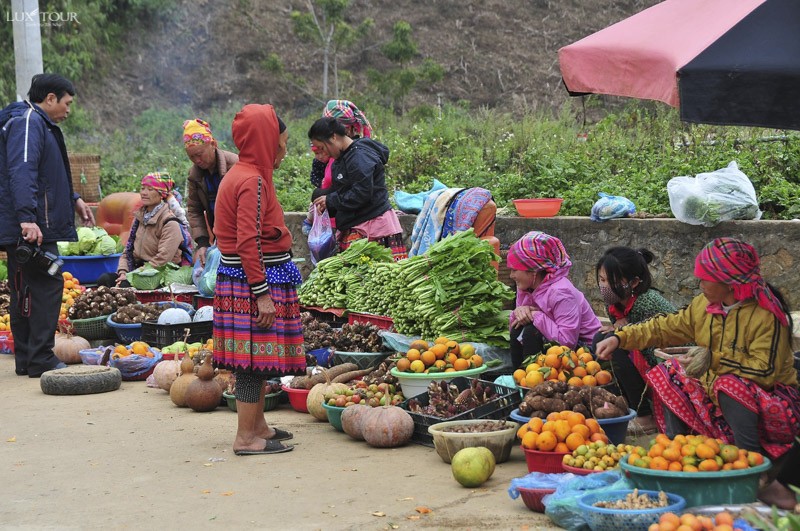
(68, 284)
(120, 349)
(428, 358)
(139, 347)
(461, 364)
(552, 416)
(441, 340)
(690, 521)
(535, 424)
(529, 440)
(533, 378)
(675, 466)
(672, 454)
(555, 350)
(579, 371)
(593, 425)
(586, 357)
(603, 377)
(703, 451)
(419, 344)
(413, 354)
(574, 418)
(519, 375)
(561, 448)
(546, 441)
(599, 436)
(589, 380)
(403, 364)
(562, 430)
(729, 453)
(439, 351)
(476, 360)
(688, 450)
(575, 381)
(723, 527)
(574, 440)
(451, 358)
(562, 376)
(582, 430)
(708, 465)
(67, 275)
(671, 518)
(417, 366)
(440, 364)
(689, 468)
(659, 463)
(522, 431)
(592, 367)
(740, 464)
(553, 360)
(452, 346)
(723, 518)
(449, 369)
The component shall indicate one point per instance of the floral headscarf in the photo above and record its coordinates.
(160, 181)
(196, 131)
(736, 263)
(348, 115)
(537, 251)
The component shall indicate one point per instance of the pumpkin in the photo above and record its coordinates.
(166, 372)
(317, 395)
(387, 427)
(203, 393)
(353, 420)
(67, 347)
(177, 391)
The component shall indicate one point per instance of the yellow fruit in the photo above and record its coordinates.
(417, 366)
(555, 350)
(533, 378)
(519, 376)
(465, 350)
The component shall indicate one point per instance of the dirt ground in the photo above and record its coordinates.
(130, 459)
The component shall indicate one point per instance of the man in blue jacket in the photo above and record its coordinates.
(37, 210)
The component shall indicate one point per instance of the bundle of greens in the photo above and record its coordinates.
(328, 285)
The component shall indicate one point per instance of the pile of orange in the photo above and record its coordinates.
(72, 290)
(137, 347)
(562, 432)
(443, 355)
(5, 322)
(576, 367)
(689, 522)
(694, 453)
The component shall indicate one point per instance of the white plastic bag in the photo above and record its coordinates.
(321, 240)
(207, 282)
(709, 198)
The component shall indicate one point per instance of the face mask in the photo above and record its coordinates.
(609, 297)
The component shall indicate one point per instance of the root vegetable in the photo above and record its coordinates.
(352, 375)
(333, 372)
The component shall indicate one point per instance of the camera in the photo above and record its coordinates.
(26, 253)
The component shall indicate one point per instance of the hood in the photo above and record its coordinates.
(255, 134)
(377, 147)
(18, 108)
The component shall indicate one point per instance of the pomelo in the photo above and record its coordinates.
(473, 466)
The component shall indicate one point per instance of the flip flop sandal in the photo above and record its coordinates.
(272, 447)
(281, 435)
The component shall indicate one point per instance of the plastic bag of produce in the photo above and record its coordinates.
(709, 198)
(208, 279)
(146, 278)
(321, 240)
(562, 505)
(135, 366)
(538, 480)
(612, 206)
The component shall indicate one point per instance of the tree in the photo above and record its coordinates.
(324, 24)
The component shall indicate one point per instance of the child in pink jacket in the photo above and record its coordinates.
(549, 307)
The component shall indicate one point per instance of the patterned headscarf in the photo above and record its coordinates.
(196, 131)
(736, 263)
(537, 251)
(161, 181)
(348, 115)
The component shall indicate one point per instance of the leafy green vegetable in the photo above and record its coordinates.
(181, 275)
(104, 245)
(86, 239)
(3, 270)
(146, 278)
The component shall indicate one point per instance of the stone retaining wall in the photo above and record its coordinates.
(675, 245)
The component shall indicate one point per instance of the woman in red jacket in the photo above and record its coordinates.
(257, 330)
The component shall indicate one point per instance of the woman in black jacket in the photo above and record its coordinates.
(358, 198)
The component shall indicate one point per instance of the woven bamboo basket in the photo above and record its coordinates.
(85, 169)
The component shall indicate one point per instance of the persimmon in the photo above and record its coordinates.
(603, 377)
(428, 358)
(529, 440)
(561, 448)
(403, 364)
(413, 354)
(574, 440)
(476, 360)
(461, 364)
(546, 441)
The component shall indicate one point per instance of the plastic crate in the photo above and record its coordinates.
(88, 269)
(92, 328)
(146, 296)
(381, 321)
(602, 519)
(157, 335)
(364, 360)
(198, 301)
(498, 408)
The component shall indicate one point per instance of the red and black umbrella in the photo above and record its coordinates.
(730, 62)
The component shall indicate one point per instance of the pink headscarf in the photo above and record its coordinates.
(736, 263)
(537, 251)
(160, 181)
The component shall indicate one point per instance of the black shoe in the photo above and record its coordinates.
(59, 365)
(21, 372)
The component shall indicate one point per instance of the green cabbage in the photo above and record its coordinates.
(104, 245)
(3, 270)
(182, 275)
(86, 239)
(146, 277)
(63, 248)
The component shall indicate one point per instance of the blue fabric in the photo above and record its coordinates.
(428, 227)
(413, 203)
(287, 273)
(35, 178)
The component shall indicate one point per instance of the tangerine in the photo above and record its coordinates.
(582, 430)
(403, 364)
(476, 360)
(535, 424)
(67, 275)
(546, 441)
(589, 380)
(420, 345)
(533, 378)
(413, 354)
(561, 448)
(592, 367)
(553, 360)
(529, 440)
(441, 340)
(452, 346)
(519, 376)
(440, 364)
(675, 466)
(439, 351)
(574, 440)
(575, 381)
(139, 347)
(603, 377)
(593, 425)
(451, 358)
(461, 364)
(555, 350)
(428, 358)
(723, 518)
(579, 371)
(659, 463)
(703, 451)
(708, 465)
(574, 418)
(522, 431)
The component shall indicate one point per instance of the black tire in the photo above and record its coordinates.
(81, 380)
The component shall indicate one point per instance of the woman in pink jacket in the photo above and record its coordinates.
(549, 307)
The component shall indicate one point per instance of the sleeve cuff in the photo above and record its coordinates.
(262, 288)
(75, 196)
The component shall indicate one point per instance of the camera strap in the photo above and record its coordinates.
(23, 296)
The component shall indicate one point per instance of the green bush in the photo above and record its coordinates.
(632, 152)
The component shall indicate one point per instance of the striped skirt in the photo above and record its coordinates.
(240, 344)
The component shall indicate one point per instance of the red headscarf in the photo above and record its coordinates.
(255, 132)
(736, 263)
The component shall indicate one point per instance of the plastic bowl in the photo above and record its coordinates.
(538, 208)
(602, 519)
(297, 398)
(334, 416)
(126, 333)
(547, 462)
(616, 428)
(726, 487)
(580, 471)
(414, 384)
(88, 269)
(515, 416)
(533, 498)
(271, 401)
(448, 443)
